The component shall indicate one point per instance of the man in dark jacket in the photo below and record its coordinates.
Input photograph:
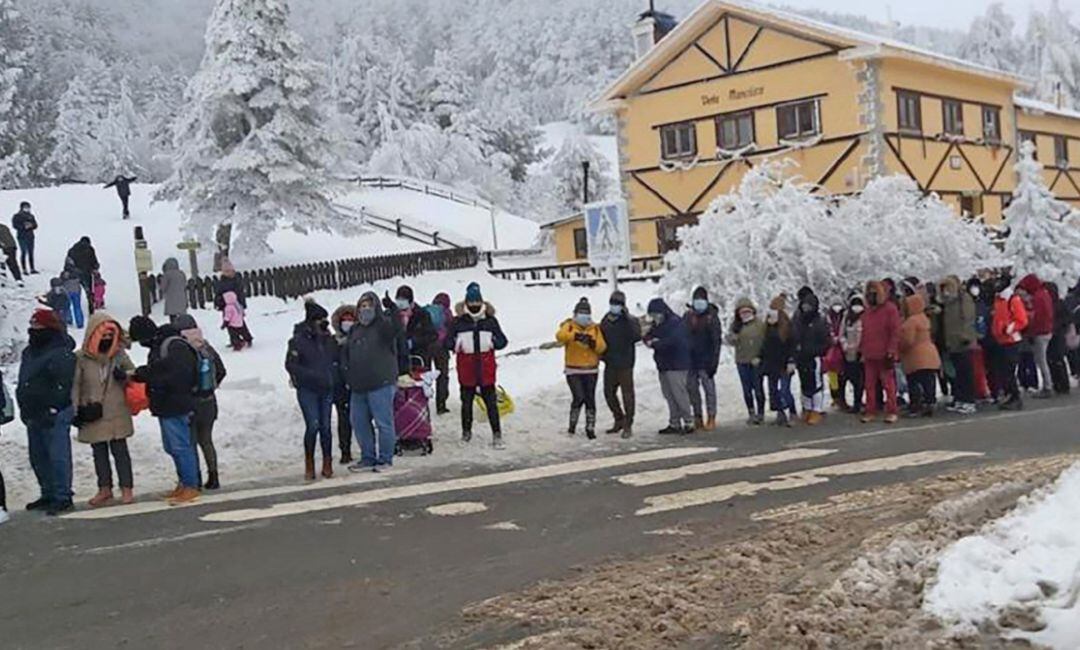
(369, 364)
(812, 341)
(171, 376)
(25, 224)
(9, 250)
(123, 190)
(82, 259)
(44, 397)
(312, 364)
(670, 342)
(621, 331)
(420, 334)
(706, 333)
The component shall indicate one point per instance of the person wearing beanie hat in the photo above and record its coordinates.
(420, 333)
(46, 377)
(584, 344)
(475, 336)
(229, 281)
(342, 322)
(58, 300)
(778, 361)
(669, 340)
(706, 335)
(211, 373)
(312, 364)
(621, 332)
(441, 320)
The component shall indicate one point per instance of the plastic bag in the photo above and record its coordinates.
(136, 396)
(502, 398)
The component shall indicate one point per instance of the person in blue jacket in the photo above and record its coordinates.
(312, 364)
(669, 340)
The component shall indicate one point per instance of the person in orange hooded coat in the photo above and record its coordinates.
(919, 356)
(1010, 321)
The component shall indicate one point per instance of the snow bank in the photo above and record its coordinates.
(1022, 571)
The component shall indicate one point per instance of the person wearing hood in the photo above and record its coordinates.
(778, 361)
(583, 342)
(958, 316)
(370, 366)
(622, 332)
(229, 281)
(174, 289)
(981, 351)
(1040, 330)
(234, 322)
(850, 339)
(25, 224)
(57, 299)
(706, 335)
(419, 331)
(83, 259)
(669, 340)
(442, 319)
(46, 375)
(170, 375)
(747, 335)
(833, 362)
(342, 321)
(879, 347)
(1010, 320)
(102, 416)
(475, 336)
(312, 363)
(919, 356)
(211, 373)
(1056, 353)
(10, 251)
(811, 344)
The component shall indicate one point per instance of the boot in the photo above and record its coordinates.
(466, 436)
(328, 467)
(710, 424)
(127, 496)
(628, 431)
(616, 428)
(212, 482)
(590, 425)
(699, 424)
(309, 466)
(346, 456)
(103, 497)
(781, 419)
(813, 418)
(575, 415)
(184, 496)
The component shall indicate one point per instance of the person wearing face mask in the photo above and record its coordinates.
(1010, 319)
(706, 335)
(370, 364)
(475, 336)
(312, 364)
(778, 361)
(420, 334)
(669, 340)
(342, 321)
(621, 331)
(980, 352)
(211, 373)
(879, 348)
(1040, 330)
(583, 342)
(958, 315)
(833, 362)
(811, 342)
(441, 319)
(747, 335)
(102, 415)
(850, 338)
(44, 398)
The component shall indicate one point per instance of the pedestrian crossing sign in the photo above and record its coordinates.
(607, 229)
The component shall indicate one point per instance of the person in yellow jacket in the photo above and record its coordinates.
(584, 344)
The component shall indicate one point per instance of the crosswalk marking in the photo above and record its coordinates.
(794, 480)
(355, 499)
(653, 477)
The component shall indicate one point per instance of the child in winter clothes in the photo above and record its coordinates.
(747, 336)
(584, 344)
(706, 332)
(233, 315)
(919, 357)
(833, 363)
(57, 300)
(99, 291)
(850, 339)
(878, 346)
(778, 361)
(73, 289)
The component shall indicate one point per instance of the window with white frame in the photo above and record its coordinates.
(678, 140)
(735, 131)
(798, 120)
(991, 116)
(952, 117)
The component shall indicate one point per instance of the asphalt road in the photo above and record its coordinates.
(366, 564)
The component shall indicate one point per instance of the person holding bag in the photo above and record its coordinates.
(102, 414)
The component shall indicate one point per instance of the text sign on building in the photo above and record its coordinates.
(607, 227)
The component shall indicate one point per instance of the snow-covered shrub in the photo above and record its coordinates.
(1044, 235)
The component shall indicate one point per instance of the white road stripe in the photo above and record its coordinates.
(158, 541)
(454, 485)
(678, 473)
(457, 509)
(159, 505)
(794, 480)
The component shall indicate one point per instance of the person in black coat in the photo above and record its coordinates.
(1058, 350)
(312, 363)
(123, 190)
(25, 224)
(622, 332)
(778, 361)
(420, 333)
(82, 259)
(812, 341)
(229, 281)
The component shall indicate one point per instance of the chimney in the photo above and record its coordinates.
(650, 27)
(1059, 96)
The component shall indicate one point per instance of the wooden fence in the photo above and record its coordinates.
(580, 273)
(288, 282)
(382, 182)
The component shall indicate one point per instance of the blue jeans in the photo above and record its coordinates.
(377, 405)
(26, 251)
(50, 455)
(316, 408)
(176, 438)
(753, 389)
(780, 398)
(76, 310)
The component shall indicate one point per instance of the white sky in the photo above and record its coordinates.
(942, 13)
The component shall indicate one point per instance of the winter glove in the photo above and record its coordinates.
(119, 374)
(589, 341)
(388, 302)
(756, 362)
(140, 375)
(791, 368)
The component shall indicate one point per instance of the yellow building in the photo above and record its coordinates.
(735, 83)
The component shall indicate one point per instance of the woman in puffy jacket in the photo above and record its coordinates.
(919, 356)
(584, 343)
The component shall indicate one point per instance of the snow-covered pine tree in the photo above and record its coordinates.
(1055, 58)
(991, 41)
(250, 146)
(124, 146)
(1044, 235)
(428, 153)
(14, 75)
(75, 134)
(569, 172)
(448, 90)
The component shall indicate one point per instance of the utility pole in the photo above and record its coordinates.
(494, 230)
(585, 184)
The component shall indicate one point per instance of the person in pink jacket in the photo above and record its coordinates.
(879, 347)
(233, 316)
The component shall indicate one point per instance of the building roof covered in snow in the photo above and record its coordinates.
(1036, 106)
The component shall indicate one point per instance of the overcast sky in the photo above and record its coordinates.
(943, 13)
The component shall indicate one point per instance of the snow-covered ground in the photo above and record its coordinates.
(1026, 563)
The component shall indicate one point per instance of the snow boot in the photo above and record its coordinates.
(328, 467)
(309, 467)
(466, 436)
(102, 498)
(575, 415)
(627, 432)
(346, 456)
(590, 425)
(127, 496)
(212, 482)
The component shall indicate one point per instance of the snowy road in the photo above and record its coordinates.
(380, 561)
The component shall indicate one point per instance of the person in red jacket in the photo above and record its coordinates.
(1010, 321)
(1040, 329)
(879, 349)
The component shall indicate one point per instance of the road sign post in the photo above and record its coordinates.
(192, 247)
(607, 231)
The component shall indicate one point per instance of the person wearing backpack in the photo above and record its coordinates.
(102, 415)
(171, 375)
(442, 319)
(211, 374)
